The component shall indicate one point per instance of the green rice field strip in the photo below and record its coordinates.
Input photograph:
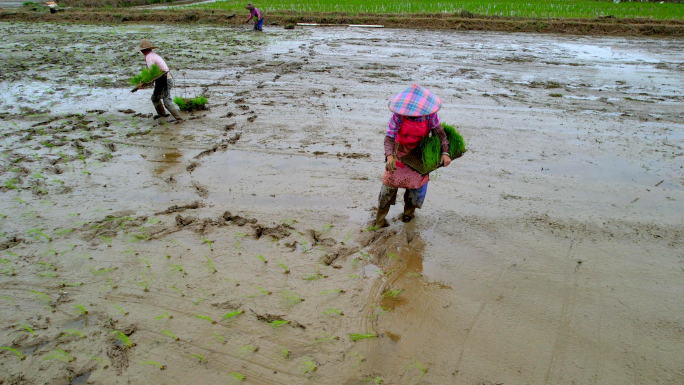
(505, 8)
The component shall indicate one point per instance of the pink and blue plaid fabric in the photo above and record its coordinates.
(415, 101)
(395, 123)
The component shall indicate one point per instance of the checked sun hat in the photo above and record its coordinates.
(415, 101)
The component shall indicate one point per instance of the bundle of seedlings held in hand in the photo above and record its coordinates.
(192, 104)
(431, 151)
(147, 75)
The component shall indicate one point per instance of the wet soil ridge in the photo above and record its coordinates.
(599, 26)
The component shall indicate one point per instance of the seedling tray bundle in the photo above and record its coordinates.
(426, 157)
(147, 76)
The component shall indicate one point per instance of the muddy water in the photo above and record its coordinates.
(550, 253)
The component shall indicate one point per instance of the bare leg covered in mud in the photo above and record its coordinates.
(413, 199)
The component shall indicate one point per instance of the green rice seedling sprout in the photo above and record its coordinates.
(359, 358)
(210, 264)
(327, 227)
(237, 376)
(372, 228)
(121, 310)
(332, 310)
(365, 256)
(64, 231)
(165, 315)
(285, 268)
(418, 365)
(71, 284)
(284, 353)
(202, 359)
(278, 323)
(207, 241)
(110, 284)
(383, 310)
(146, 75)
(15, 351)
(178, 268)
(144, 281)
(290, 297)
(332, 291)
(205, 317)
(261, 258)
(72, 332)
(393, 294)
(377, 380)
(21, 201)
(107, 240)
(104, 271)
(393, 256)
(178, 291)
(232, 314)
(170, 334)
(81, 309)
(357, 336)
(219, 338)
(123, 339)
(11, 184)
(28, 329)
(160, 366)
(246, 349)
(9, 270)
(239, 236)
(60, 355)
(188, 105)
(50, 251)
(261, 290)
(40, 232)
(41, 296)
(354, 276)
(86, 172)
(412, 274)
(307, 366)
(145, 261)
(100, 360)
(8, 299)
(327, 338)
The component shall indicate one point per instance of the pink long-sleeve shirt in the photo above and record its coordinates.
(152, 58)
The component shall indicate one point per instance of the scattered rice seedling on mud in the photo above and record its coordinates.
(70, 284)
(146, 261)
(356, 336)
(72, 333)
(377, 380)
(9, 269)
(81, 309)
(205, 240)
(160, 366)
(307, 366)
(60, 355)
(43, 298)
(205, 317)
(219, 338)
(261, 258)
(419, 366)
(290, 297)
(107, 240)
(165, 315)
(359, 358)
(284, 353)
(104, 271)
(261, 290)
(278, 323)
(237, 376)
(285, 268)
(123, 339)
(28, 329)
(170, 334)
(178, 291)
(393, 294)
(232, 314)
(202, 359)
(372, 228)
(383, 310)
(393, 256)
(145, 282)
(146, 75)
(15, 351)
(332, 291)
(314, 276)
(176, 269)
(120, 309)
(8, 299)
(39, 232)
(246, 349)
(210, 264)
(239, 236)
(327, 338)
(332, 310)
(100, 360)
(191, 104)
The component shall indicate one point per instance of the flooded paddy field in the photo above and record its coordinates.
(235, 247)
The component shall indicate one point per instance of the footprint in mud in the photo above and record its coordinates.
(200, 189)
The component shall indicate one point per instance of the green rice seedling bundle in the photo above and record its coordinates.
(428, 154)
(147, 75)
(191, 104)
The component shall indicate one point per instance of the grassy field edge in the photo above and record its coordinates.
(599, 26)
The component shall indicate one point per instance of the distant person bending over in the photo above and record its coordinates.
(163, 85)
(255, 15)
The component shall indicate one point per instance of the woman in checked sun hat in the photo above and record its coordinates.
(414, 117)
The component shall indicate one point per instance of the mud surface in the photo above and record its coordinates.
(550, 253)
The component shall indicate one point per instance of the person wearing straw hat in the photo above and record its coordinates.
(255, 15)
(414, 118)
(163, 84)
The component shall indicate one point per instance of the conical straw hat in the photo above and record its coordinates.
(145, 44)
(415, 101)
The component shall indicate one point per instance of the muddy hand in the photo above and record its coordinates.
(390, 165)
(445, 160)
(140, 85)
